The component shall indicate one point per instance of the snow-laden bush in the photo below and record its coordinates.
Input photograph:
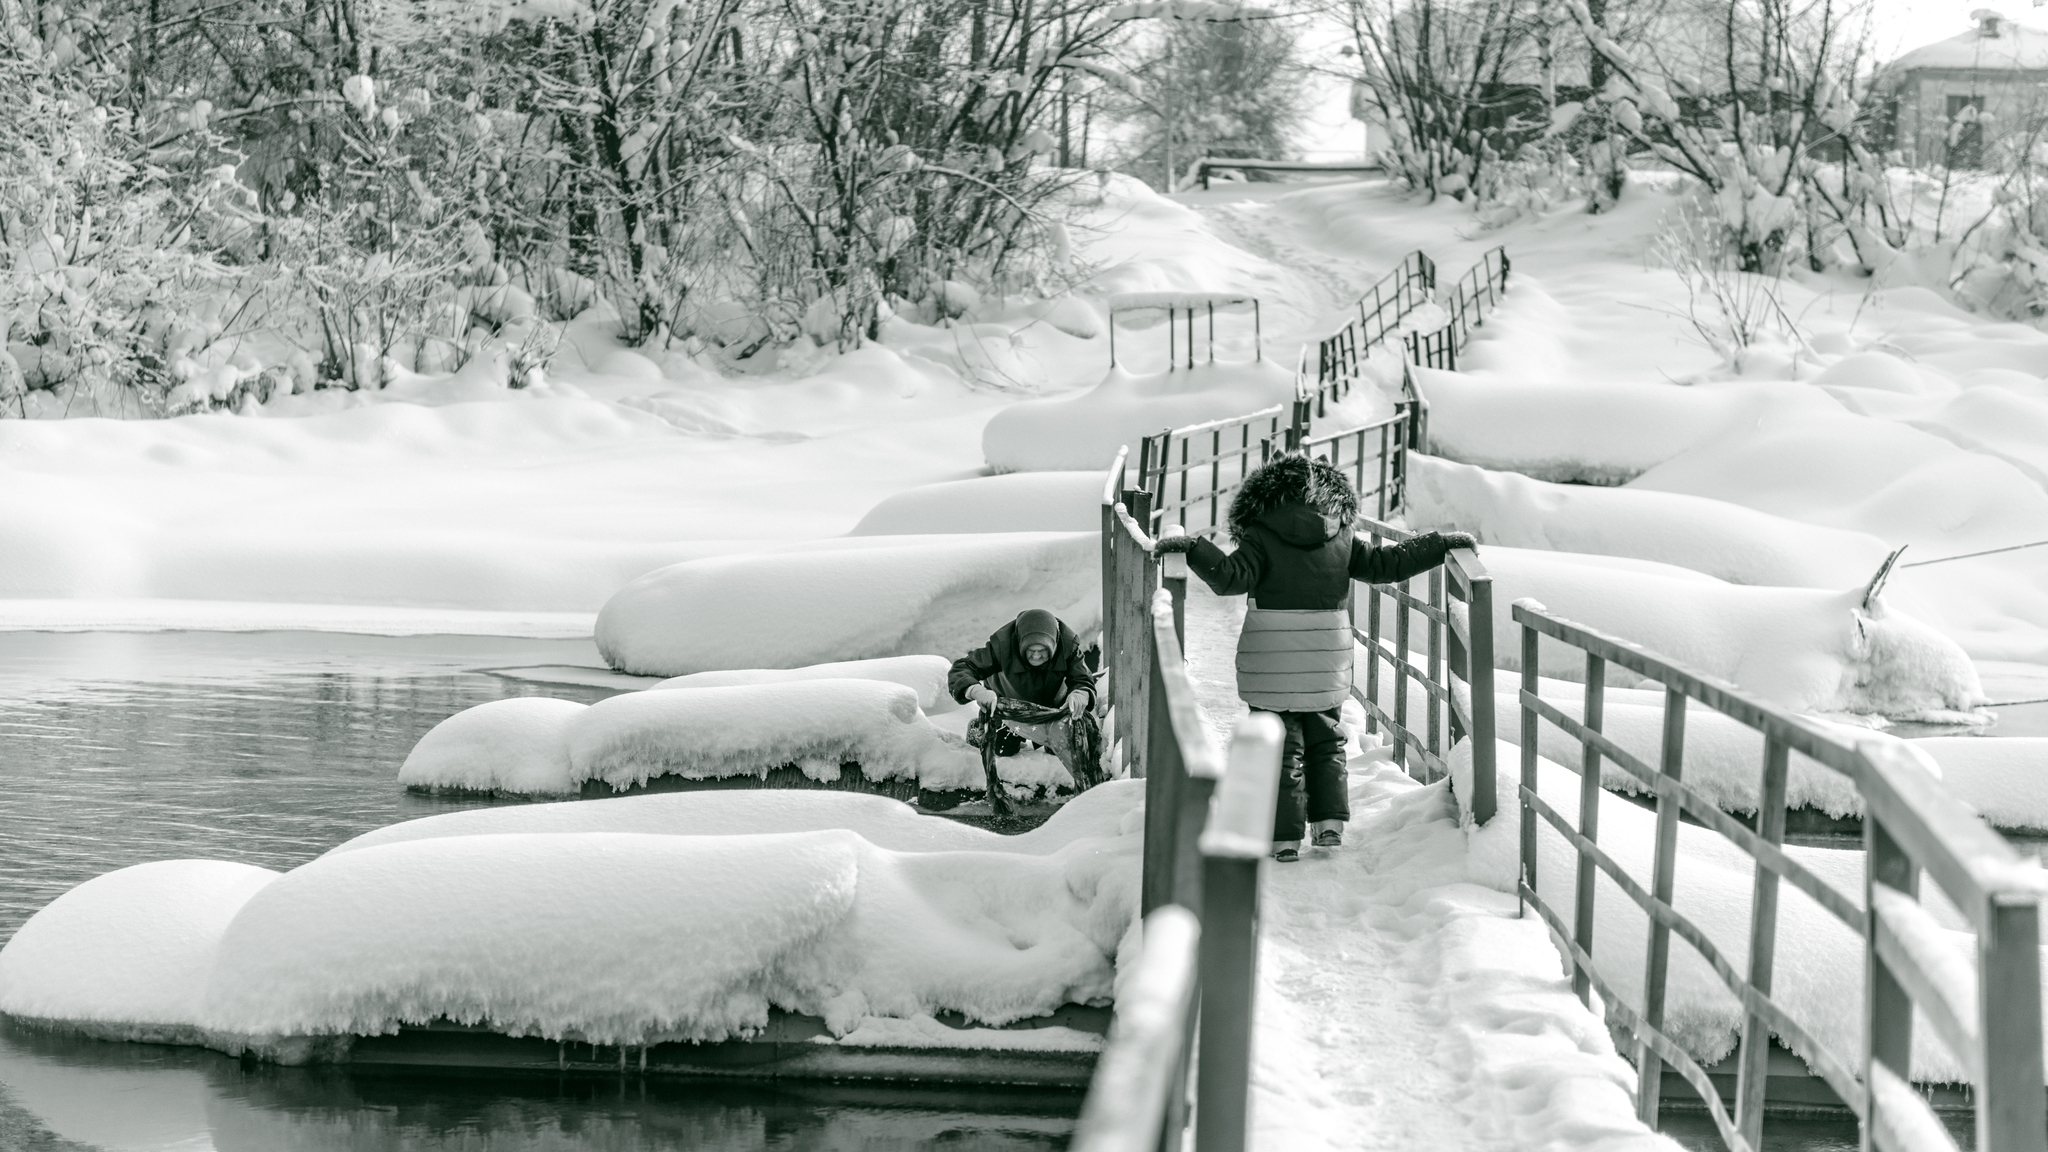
(114, 279)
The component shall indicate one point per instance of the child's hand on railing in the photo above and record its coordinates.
(1461, 540)
(1174, 540)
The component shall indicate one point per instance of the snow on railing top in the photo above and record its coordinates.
(1139, 301)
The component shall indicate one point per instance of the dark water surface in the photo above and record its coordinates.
(262, 748)
(269, 749)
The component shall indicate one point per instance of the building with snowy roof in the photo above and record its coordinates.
(1947, 100)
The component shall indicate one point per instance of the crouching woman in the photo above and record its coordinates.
(1296, 558)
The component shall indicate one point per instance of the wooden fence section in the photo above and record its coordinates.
(1987, 1014)
(1129, 574)
(1208, 828)
(1183, 312)
(1376, 452)
(1202, 168)
(1455, 674)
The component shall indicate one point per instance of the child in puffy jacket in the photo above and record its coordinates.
(1296, 558)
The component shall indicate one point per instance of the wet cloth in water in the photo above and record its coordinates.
(1294, 660)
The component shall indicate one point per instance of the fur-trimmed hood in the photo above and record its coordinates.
(1303, 501)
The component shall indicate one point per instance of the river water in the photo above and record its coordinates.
(270, 748)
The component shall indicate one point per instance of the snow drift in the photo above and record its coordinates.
(847, 599)
(1804, 649)
(1018, 502)
(925, 675)
(1724, 540)
(601, 935)
(1592, 431)
(538, 747)
(746, 729)
(1077, 433)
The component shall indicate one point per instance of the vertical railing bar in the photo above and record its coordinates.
(1401, 678)
(1656, 965)
(1531, 684)
(1372, 655)
(1436, 660)
(1753, 1075)
(1589, 822)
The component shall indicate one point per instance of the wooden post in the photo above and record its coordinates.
(1531, 685)
(1589, 824)
(1234, 849)
(2010, 1109)
(1401, 674)
(1888, 1007)
(1173, 573)
(1433, 710)
(1479, 680)
(1754, 1071)
(1656, 965)
(1165, 776)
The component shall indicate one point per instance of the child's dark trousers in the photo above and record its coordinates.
(1313, 776)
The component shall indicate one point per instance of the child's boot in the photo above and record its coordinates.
(1287, 851)
(1329, 833)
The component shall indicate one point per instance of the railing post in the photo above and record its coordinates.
(2010, 1108)
(1531, 685)
(1664, 873)
(1140, 575)
(1479, 682)
(1589, 824)
(1234, 849)
(1173, 574)
(1754, 1072)
(1165, 776)
(1888, 1007)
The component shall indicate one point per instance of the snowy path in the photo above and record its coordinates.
(1402, 1003)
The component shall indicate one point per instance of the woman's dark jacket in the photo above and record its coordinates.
(1002, 663)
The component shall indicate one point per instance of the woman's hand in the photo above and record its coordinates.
(1077, 704)
(983, 695)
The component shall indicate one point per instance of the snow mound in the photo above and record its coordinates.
(2004, 779)
(847, 600)
(1723, 540)
(133, 946)
(1018, 502)
(1804, 649)
(883, 822)
(1592, 431)
(1076, 433)
(746, 729)
(606, 933)
(924, 675)
(517, 745)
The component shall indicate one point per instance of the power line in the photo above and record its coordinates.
(1968, 555)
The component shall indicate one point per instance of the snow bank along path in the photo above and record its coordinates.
(847, 598)
(630, 921)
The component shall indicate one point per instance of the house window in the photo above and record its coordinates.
(1965, 139)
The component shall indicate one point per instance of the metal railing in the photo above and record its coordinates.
(1208, 829)
(1988, 1016)
(1341, 356)
(1377, 452)
(1182, 309)
(1476, 292)
(1455, 675)
(1190, 473)
(1203, 167)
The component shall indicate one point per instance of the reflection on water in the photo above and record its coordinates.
(63, 1095)
(264, 748)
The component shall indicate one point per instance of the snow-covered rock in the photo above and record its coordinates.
(847, 599)
(1724, 540)
(609, 933)
(1804, 649)
(925, 675)
(517, 745)
(747, 729)
(1014, 502)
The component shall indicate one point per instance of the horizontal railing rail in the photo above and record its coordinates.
(1207, 165)
(1988, 1015)
(1454, 675)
